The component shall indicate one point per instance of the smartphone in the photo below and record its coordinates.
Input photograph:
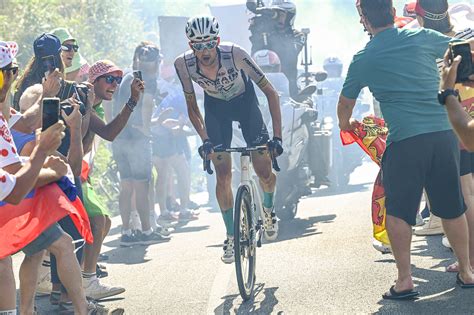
(137, 74)
(465, 67)
(49, 64)
(51, 112)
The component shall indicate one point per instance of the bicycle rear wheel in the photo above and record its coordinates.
(244, 242)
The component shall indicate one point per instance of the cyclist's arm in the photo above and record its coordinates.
(244, 62)
(193, 110)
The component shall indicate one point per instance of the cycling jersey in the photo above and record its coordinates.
(230, 97)
(234, 67)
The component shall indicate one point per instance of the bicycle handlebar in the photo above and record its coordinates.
(207, 162)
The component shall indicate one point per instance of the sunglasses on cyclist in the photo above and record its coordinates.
(110, 79)
(199, 46)
(13, 70)
(69, 47)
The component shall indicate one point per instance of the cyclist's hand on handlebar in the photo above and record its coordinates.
(206, 149)
(275, 146)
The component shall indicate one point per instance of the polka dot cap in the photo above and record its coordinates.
(8, 51)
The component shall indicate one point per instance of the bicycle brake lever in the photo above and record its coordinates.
(207, 166)
(275, 165)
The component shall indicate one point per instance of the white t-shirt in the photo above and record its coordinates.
(7, 183)
(8, 156)
(8, 152)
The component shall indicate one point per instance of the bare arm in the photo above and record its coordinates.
(244, 62)
(193, 110)
(111, 130)
(274, 105)
(345, 106)
(27, 174)
(195, 116)
(460, 120)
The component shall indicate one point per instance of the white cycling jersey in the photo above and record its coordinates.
(234, 67)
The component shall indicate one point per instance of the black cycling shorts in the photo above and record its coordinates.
(429, 161)
(244, 109)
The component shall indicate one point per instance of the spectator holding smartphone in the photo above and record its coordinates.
(19, 179)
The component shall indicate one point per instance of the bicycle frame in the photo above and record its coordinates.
(246, 179)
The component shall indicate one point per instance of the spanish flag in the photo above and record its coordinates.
(23, 223)
(371, 135)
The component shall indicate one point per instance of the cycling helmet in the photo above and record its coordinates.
(333, 66)
(287, 6)
(267, 60)
(202, 28)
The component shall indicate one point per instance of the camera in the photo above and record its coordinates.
(82, 98)
(51, 112)
(465, 68)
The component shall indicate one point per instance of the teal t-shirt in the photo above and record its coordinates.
(399, 68)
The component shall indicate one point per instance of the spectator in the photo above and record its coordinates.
(132, 150)
(434, 15)
(22, 179)
(71, 56)
(170, 146)
(421, 148)
(105, 77)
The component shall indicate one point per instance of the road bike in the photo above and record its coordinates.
(248, 218)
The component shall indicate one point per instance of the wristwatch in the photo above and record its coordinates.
(443, 94)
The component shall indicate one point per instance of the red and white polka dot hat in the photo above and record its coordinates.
(8, 51)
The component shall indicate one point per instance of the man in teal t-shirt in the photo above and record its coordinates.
(399, 67)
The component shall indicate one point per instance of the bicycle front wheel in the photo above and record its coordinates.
(245, 242)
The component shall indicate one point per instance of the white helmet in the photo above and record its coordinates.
(202, 28)
(267, 60)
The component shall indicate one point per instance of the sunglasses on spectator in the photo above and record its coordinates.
(110, 79)
(13, 70)
(69, 47)
(199, 46)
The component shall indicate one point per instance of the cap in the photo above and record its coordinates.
(8, 51)
(63, 34)
(46, 45)
(101, 68)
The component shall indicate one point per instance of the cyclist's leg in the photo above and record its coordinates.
(219, 130)
(255, 133)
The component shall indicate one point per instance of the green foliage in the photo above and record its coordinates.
(107, 29)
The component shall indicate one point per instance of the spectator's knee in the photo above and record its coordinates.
(62, 245)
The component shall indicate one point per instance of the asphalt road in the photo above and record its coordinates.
(322, 263)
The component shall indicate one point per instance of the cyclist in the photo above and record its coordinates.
(226, 72)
